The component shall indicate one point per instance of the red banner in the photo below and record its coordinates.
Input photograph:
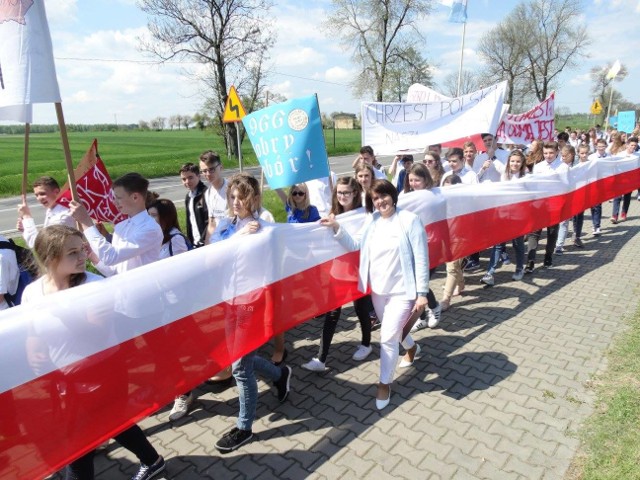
(94, 188)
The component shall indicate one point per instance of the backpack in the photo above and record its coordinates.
(186, 240)
(27, 267)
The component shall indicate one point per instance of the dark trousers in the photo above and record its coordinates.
(133, 439)
(363, 307)
(532, 243)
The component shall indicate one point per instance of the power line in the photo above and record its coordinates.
(180, 62)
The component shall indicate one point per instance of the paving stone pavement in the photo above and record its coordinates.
(499, 393)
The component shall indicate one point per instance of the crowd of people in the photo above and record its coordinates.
(393, 273)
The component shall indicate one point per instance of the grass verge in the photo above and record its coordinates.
(611, 436)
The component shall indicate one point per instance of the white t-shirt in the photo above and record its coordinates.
(216, 200)
(320, 193)
(178, 245)
(384, 257)
(495, 171)
(467, 176)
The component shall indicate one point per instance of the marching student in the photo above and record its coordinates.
(297, 204)
(346, 197)
(596, 210)
(136, 241)
(216, 195)
(244, 205)
(366, 156)
(551, 164)
(195, 204)
(62, 255)
(46, 190)
(629, 153)
(9, 273)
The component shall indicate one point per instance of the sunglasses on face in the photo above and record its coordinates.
(297, 194)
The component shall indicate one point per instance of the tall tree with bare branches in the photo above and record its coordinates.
(380, 33)
(230, 38)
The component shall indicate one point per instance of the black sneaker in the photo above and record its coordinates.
(530, 267)
(548, 262)
(233, 439)
(578, 243)
(146, 472)
(282, 384)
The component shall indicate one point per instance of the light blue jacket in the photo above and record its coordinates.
(414, 254)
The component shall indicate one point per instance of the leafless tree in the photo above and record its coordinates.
(410, 68)
(230, 37)
(186, 121)
(469, 82)
(534, 44)
(602, 85)
(380, 32)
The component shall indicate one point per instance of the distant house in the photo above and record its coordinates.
(344, 121)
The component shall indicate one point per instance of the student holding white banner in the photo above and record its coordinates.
(394, 262)
(62, 255)
(346, 197)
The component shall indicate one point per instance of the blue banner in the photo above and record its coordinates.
(288, 141)
(613, 121)
(626, 121)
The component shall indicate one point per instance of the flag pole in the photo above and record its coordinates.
(606, 120)
(67, 151)
(25, 163)
(464, 30)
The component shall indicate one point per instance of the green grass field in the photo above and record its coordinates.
(152, 154)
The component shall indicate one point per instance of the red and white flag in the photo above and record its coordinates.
(93, 184)
(103, 355)
(535, 124)
(27, 69)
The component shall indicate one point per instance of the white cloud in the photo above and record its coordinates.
(81, 96)
(62, 12)
(298, 57)
(339, 74)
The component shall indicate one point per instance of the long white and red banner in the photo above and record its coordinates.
(84, 364)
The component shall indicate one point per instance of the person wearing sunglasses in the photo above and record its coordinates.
(298, 205)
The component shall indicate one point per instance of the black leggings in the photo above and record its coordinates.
(133, 439)
(363, 307)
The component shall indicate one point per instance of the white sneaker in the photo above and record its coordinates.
(314, 365)
(361, 353)
(596, 232)
(420, 324)
(519, 275)
(434, 316)
(180, 407)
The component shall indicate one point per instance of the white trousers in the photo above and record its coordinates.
(393, 312)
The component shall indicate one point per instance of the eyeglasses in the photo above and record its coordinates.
(345, 193)
(432, 160)
(204, 171)
(297, 194)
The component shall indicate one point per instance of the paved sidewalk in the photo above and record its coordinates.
(499, 393)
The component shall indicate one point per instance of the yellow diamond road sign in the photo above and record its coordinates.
(233, 111)
(596, 107)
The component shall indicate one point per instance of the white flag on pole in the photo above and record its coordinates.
(27, 69)
(614, 70)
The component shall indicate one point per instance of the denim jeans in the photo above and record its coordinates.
(518, 247)
(534, 237)
(578, 222)
(596, 215)
(626, 201)
(562, 233)
(244, 371)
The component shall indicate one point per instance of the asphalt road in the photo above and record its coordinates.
(167, 187)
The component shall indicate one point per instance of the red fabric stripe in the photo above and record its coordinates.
(46, 423)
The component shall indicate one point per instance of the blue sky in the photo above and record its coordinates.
(102, 80)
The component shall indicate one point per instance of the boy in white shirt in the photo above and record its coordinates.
(136, 240)
(46, 190)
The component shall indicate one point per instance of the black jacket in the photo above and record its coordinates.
(201, 213)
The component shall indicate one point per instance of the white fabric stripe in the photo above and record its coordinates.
(146, 298)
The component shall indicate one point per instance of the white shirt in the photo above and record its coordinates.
(192, 218)
(136, 242)
(557, 166)
(216, 200)
(596, 155)
(385, 274)
(467, 176)
(495, 171)
(178, 245)
(58, 215)
(9, 273)
(320, 193)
